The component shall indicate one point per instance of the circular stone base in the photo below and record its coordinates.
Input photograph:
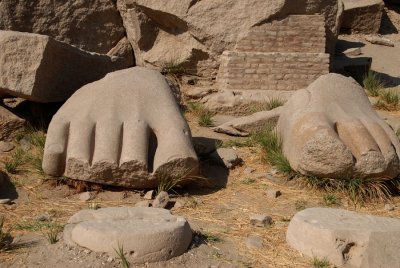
(145, 234)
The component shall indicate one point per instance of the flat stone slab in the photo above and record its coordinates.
(146, 234)
(346, 238)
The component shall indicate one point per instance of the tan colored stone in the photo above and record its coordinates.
(346, 238)
(146, 234)
(362, 16)
(125, 129)
(202, 30)
(331, 130)
(93, 25)
(10, 124)
(39, 68)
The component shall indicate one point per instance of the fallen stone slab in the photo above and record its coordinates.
(128, 132)
(10, 124)
(146, 234)
(379, 40)
(362, 16)
(244, 126)
(346, 238)
(331, 130)
(38, 68)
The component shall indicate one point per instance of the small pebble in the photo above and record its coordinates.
(5, 201)
(254, 241)
(6, 146)
(260, 220)
(389, 207)
(149, 195)
(43, 217)
(86, 196)
(25, 144)
(272, 194)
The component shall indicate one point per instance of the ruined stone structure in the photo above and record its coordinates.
(286, 54)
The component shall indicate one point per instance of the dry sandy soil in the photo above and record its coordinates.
(219, 207)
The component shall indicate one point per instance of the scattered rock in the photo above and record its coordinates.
(226, 156)
(5, 201)
(260, 220)
(345, 238)
(362, 16)
(10, 124)
(115, 162)
(43, 217)
(143, 204)
(161, 200)
(272, 194)
(46, 70)
(245, 125)
(149, 195)
(6, 146)
(379, 40)
(331, 130)
(389, 207)
(198, 92)
(204, 146)
(93, 25)
(254, 241)
(147, 234)
(13, 102)
(86, 196)
(25, 144)
(354, 51)
(179, 204)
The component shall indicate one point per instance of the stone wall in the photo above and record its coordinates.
(283, 55)
(271, 71)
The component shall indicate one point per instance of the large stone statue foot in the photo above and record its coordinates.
(331, 130)
(124, 130)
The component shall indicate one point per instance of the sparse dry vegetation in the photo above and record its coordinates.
(372, 83)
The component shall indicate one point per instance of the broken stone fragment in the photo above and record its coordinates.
(161, 200)
(346, 238)
(226, 157)
(38, 68)
(260, 220)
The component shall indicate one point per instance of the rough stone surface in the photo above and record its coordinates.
(39, 68)
(147, 234)
(260, 220)
(128, 130)
(362, 16)
(10, 124)
(143, 204)
(86, 196)
(204, 29)
(93, 25)
(345, 238)
(6, 146)
(244, 126)
(331, 130)
(161, 200)
(226, 156)
(379, 40)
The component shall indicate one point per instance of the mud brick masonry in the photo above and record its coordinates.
(287, 54)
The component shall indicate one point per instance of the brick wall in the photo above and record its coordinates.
(296, 33)
(271, 71)
(282, 55)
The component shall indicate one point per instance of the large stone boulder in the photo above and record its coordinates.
(39, 68)
(331, 130)
(125, 129)
(196, 33)
(93, 25)
(362, 16)
(345, 238)
(145, 234)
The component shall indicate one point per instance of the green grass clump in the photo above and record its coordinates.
(17, 159)
(271, 144)
(331, 199)
(272, 103)
(174, 67)
(206, 118)
(121, 255)
(51, 233)
(390, 97)
(5, 236)
(320, 263)
(372, 83)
